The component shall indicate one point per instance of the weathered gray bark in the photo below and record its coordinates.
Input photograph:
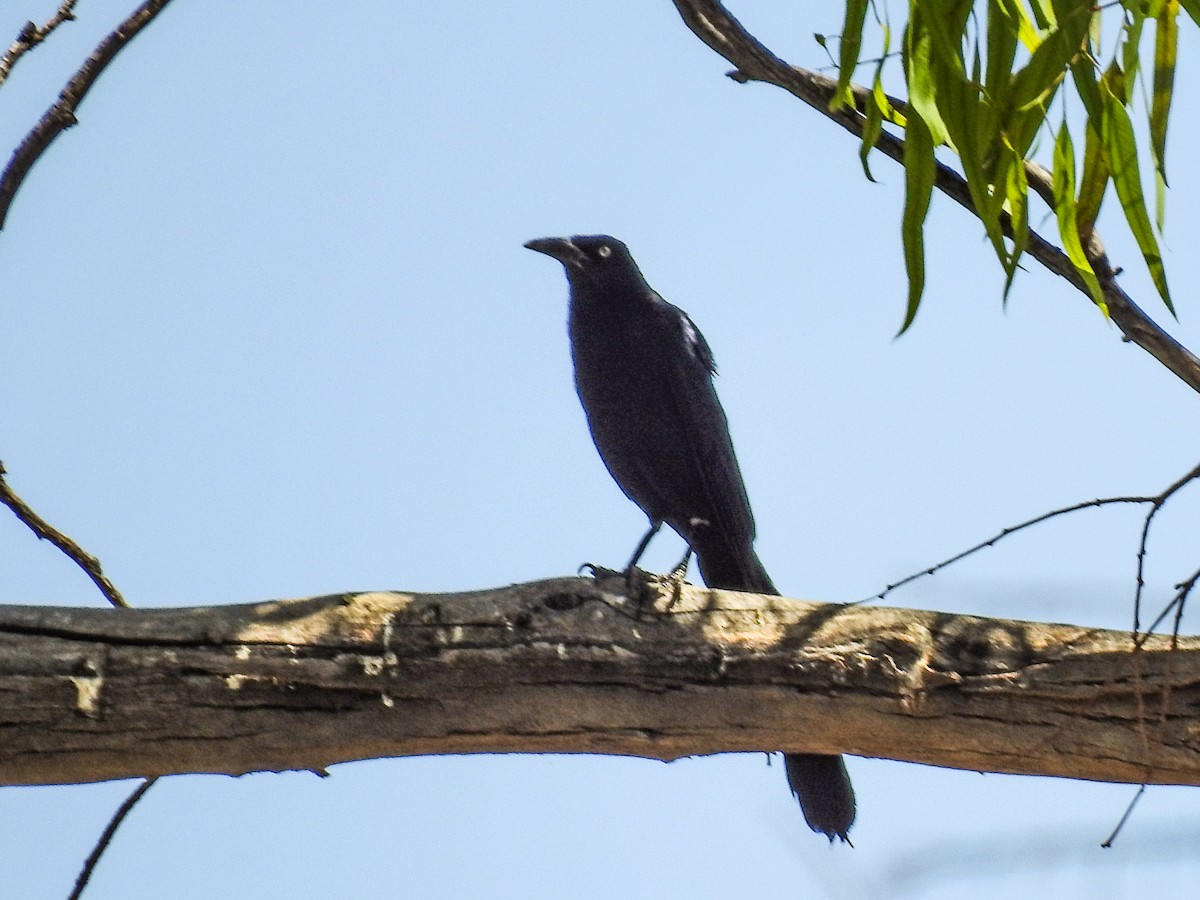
(566, 665)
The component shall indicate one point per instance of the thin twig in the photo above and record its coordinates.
(114, 823)
(1182, 590)
(59, 117)
(992, 541)
(1158, 620)
(30, 36)
(1108, 842)
(1156, 504)
(61, 114)
(714, 25)
(46, 532)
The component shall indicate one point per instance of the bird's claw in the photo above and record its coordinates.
(598, 572)
(674, 582)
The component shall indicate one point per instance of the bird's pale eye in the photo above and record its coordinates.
(604, 251)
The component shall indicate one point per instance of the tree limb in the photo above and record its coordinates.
(567, 665)
(714, 25)
(47, 532)
(61, 115)
(31, 35)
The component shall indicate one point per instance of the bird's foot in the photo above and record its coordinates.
(638, 588)
(597, 572)
(655, 589)
(643, 589)
(678, 578)
(633, 579)
(651, 589)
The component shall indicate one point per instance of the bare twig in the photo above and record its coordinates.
(89, 866)
(714, 25)
(1108, 841)
(1156, 502)
(1182, 591)
(996, 538)
(46, 532)
(31, 35)
(61, 115)
(1164, 612)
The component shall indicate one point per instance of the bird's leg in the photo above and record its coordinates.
(633, 589)
(678, 576)
(680, 570)
(631, 568)
(642, 545)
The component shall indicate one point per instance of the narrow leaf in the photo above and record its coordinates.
(1003, 25)
(1094, 181)
(890, 113)
(1016, 196)
(881, 98)
(1074, 19)
(1088, 87)
(1040, 77)
(1066, 212)
(1117, 132)
(1131, 44)
(1043, 13)
(1160, 200)
(918, 72)
(1114, 81)
(1026, 28)
(971, 128)
(919, 172)
(871, 129)
(1034, 85)
(1166, 40)
(946, 21)
(849, 46)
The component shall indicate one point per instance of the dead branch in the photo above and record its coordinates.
(61, 114)
(567, 665)
(47, 532)
(31, 35)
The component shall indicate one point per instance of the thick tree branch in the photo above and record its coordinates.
(714, 25)
(567, 665)
(61, 115)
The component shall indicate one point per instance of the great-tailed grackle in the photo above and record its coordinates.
(644, 375)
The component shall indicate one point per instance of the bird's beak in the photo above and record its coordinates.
(560, 248)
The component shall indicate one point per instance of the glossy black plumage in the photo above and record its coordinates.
(644, 374)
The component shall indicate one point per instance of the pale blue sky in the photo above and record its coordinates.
(269, 331)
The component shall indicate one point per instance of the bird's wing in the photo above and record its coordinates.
(703, 426)
(694, 340)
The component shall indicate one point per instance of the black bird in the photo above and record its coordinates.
(644, 375)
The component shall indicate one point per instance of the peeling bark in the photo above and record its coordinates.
(569, 665)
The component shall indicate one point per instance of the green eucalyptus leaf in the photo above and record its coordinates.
(920, 169)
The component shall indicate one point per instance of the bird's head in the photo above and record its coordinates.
(594, 260)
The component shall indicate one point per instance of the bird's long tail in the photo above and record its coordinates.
(819, 782)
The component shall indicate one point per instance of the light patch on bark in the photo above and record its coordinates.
(87, 694)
